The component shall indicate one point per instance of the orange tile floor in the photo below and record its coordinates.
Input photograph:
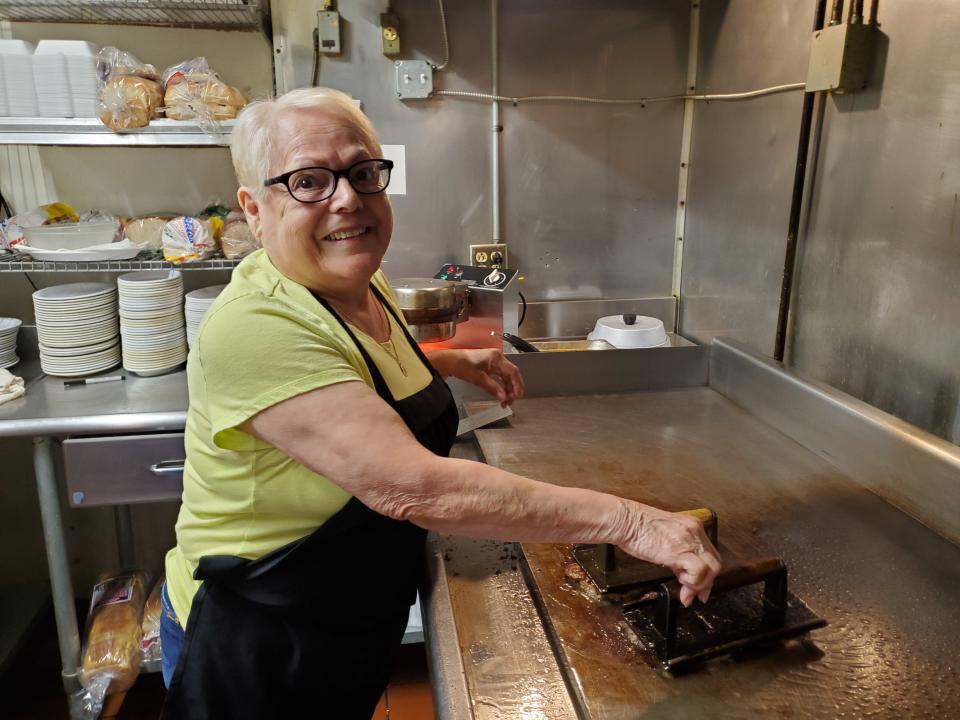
(30, 686)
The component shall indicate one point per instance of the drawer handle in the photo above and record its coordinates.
(165, 468)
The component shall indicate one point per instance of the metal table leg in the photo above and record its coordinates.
(124, 522)
(59, 568)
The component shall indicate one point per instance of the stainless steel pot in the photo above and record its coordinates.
(431, 307)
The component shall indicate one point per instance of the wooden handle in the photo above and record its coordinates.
(708, 518)
(738, 576)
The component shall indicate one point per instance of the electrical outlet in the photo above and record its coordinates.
(389, 34)
(492, 255)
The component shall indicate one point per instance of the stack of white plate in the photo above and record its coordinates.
(77, 328)
(151, 321)
(16, 61)
(80, 58)
(8, 341)
(195, 307)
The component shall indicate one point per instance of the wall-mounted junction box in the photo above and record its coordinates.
(328, 27)
(491, 255)
(414, 79)
(841, 57)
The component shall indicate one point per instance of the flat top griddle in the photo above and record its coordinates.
(888, 586)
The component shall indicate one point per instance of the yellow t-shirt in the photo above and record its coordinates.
(266, 339)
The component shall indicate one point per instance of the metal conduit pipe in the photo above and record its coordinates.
(803, 147)
(496, 128)
(836, 13)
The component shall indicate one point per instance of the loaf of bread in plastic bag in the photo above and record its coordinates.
(112, 649)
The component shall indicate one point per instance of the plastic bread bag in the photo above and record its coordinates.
(192, 91)
(111, 655)
(147, 232)
(127, 102)
(188, 239)
(128, 93)
(113, 62)
(237, 239)
(150, 626)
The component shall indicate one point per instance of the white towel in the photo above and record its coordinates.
(11, 386)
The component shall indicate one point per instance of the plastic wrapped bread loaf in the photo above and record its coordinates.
(147, 232)
(237, 240)
(128, 102)
(111, 656)
(150, 625)
(188, 239)
(203, 96)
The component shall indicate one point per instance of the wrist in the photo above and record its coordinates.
(628, 520)
(444, 361)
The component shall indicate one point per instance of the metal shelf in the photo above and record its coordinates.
(90, 131)
(14, 262)
(215, 14)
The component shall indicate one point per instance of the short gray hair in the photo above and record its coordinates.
(253, 145)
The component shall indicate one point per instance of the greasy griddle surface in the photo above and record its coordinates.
(888, 586)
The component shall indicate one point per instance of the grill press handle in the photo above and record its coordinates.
(770, 571)
(168, 468)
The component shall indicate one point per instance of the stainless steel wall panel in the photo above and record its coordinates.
(590, 190)
(906, 466)
(741, 168)
(447, 205)
(877, 295)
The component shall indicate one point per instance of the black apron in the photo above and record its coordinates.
(311, 629)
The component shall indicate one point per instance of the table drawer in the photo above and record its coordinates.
(123, 469)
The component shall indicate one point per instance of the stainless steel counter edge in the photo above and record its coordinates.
(451, 699)
(906, 466)
(95, 424)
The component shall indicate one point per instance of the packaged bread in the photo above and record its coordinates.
(188, 239)
(128, 102)
(203, 96)
(191, 90)
(150, 626)
(113, 62)
(147, 232)
(237, 240)
(111, 655)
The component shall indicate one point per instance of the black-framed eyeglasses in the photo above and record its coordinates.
(314, 184)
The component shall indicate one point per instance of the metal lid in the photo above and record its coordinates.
(425, 294)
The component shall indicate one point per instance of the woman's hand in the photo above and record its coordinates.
(677, 541)
(487, 368)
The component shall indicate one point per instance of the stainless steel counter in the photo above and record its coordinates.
(886, 583)
(137, 404)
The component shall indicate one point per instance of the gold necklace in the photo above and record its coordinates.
(392, 349)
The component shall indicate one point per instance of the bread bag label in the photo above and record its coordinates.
(112, 591)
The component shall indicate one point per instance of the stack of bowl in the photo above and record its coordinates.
(8, 341)
(195, 307)
(77, 328)
(151, 321)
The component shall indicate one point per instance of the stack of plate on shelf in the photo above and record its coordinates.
(16, 64)
(77, 328)
(151, 321)
(195, 307)
(8, 341)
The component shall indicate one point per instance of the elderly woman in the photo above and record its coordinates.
(317, 442)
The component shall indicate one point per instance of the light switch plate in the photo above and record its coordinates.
(414, 79)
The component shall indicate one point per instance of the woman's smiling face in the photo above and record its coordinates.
(333, 246)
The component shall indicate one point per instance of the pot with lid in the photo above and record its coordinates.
(629, 331)
(431, 307)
